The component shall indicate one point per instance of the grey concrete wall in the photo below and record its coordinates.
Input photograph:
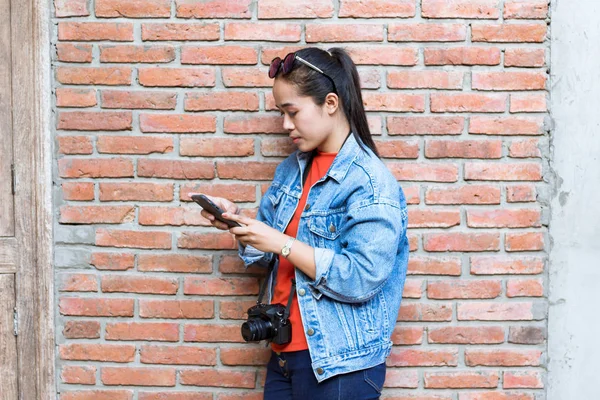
(574, 289)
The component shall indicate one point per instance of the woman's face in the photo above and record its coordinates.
(308, 124)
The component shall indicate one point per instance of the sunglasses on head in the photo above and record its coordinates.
(287, 65)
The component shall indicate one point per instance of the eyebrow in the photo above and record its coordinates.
(286, 105)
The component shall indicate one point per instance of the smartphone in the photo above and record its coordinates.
(212, 208)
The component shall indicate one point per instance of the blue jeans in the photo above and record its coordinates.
(290, 377)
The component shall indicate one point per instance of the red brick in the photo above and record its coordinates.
(524, 288)
(174, 396)
(509, 80)
(523, 380)
(466, 335)
(71, 8)
(425, 125)
(418, 218)
(178, 123)
(434, 266)
(426, 32)
(462, 56)
(236, 55)
(398, 148)
(94, 76)
(96, 307)
(94, 121)
(233, 192)
(247, 170)
(81, 330)
(235, 309)
(220, 286)
(495, 396)
(528, 148)
(173, 77)
(97, 395)
(218, 377)
(272, 9)
(214, 9)
(216, 147)
(175, 263)
(377, 8)
(274, 32)
(468, 102)
(463, 149)
(480, 9)
(485, 265)
(520, 193)
(458, 241)
(277, 147)
(528, 102)
(97, 352)
(526, 335)
(212, 333)
(133, 8)
(136, 191)
(504, 358)
(165, 332)
(174, 216)
(413, 289)
(112, 261)
(88, 31)
(228, 100)
(75, 145)
(138, 376)
(482, 311)
(393, 102)
(178, 355)
(456, 380)
(181, 32)
(251, 77)
(232, 264)
(503, 172)
(138, 284)
(407, 335)
(95, 168)
(470, 194)
(524, 57)
(134, 144)
(327, 33)
(96, 214)
(424, 80)
(412, 194)
(504, 218)
(269, 53)
(506, 125)
(176, 309)
(74, 52)
(409, 379)
(175, 169)
(527, 241)
(254, 124)
(507, 33)
(414, 312)
(78, 375)
(424, 172)
(138, 99)
(245, 356)
(423, 358)
(71, 97)
(529, 9)
(464, 289)
(133, 239)
(388, 55)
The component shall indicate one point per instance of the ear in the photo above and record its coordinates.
(332, 103)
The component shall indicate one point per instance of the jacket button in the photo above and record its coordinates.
(331, 228)
(301, 292)
(310, 331)
(307, 207)
(320, 371)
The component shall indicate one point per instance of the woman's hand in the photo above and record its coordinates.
(257, 234)
(223, 204)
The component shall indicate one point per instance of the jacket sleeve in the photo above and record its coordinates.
(371, 236)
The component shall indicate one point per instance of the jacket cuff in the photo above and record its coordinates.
(251, 255)
(323, 261)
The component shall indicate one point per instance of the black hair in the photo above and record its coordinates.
(338, 65)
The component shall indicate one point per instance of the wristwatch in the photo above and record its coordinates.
(285, 250)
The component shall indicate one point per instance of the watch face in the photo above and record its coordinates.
(285, 251)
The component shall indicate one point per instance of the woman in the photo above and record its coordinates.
(335, 220)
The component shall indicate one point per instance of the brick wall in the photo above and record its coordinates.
(157, 98)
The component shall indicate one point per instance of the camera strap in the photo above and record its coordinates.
(289, 303)
(267, 279)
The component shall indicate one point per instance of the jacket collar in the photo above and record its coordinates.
(342, 162)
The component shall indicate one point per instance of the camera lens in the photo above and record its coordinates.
(255, 330)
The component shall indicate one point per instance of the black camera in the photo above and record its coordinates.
(267, 322)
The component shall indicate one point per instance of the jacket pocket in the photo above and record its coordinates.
(326, 226)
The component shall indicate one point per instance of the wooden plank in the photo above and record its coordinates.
(6, 129)
(8, 255)
(8, 341)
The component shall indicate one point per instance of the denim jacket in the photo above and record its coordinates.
(355, 218)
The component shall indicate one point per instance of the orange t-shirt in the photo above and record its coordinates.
(286, 272)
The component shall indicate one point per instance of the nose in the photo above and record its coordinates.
(287, 123)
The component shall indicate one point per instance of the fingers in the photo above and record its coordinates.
(238, 218)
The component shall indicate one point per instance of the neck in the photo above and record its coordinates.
(336, 139)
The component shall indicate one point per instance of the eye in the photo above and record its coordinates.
(293, 113)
